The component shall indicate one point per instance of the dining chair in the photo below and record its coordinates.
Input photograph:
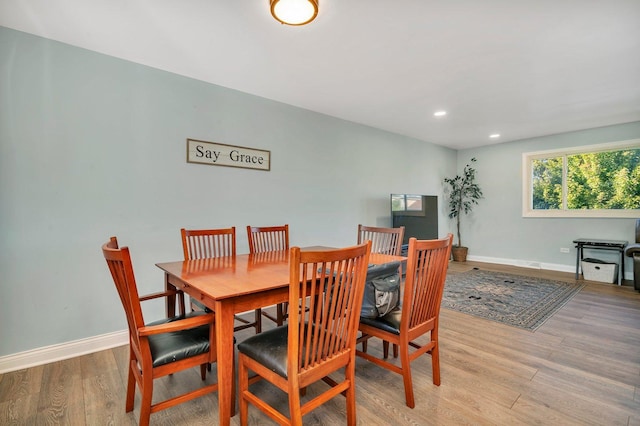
(264, 239)
(211, 244)
(383, 240)
(318, 340)
(417, 316)
(162, 347)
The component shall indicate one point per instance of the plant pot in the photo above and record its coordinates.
(459, 253)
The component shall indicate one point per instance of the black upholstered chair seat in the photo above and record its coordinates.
(389, 323)
(178, 345)
(269, 348)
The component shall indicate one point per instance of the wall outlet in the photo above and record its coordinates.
(564, 250)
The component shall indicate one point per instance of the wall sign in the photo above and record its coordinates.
(217, 154)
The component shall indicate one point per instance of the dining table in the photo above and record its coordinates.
(231, 285)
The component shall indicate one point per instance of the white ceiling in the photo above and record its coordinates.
(521, 68)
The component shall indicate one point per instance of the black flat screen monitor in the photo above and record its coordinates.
(417, 213)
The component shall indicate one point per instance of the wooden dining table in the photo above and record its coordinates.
(231, 285)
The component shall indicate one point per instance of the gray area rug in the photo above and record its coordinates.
(516, 300)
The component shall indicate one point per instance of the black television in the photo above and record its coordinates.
(417, 213)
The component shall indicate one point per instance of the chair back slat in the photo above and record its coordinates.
(208, 243)
(426, 274)
(383, 240)
(331, 285)
(268, 238)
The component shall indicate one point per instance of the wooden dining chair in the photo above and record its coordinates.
(159, 348)
(417, 316)
(319, 339)
(267, 239)
(383, 240)
(211, 244)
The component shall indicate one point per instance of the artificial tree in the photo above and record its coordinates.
(464, 194)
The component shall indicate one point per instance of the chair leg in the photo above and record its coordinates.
(131, 387)
(243, 382)
(405, 362)
(351, 395)
(435, 364)
(258, 319)
(146, 395)
(280, 309)
(364, 340)
(385, 349)
(233, 388)
(181, 305)
(295, 410)
(203, 370)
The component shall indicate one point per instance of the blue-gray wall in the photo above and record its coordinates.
(497, 232)
(92, 146)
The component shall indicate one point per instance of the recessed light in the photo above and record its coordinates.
(440, 113)
(495, 136)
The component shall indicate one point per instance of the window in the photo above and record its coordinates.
(406, 203)
(592, 181)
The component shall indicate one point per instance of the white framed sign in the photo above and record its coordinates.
(218, 154)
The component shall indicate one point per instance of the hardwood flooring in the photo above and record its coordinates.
(581, 367)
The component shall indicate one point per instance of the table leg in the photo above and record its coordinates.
(226, 360)
(621, 270)
(578, 258)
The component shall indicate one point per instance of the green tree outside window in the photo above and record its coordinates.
(604, 180)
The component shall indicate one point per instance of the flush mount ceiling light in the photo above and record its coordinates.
(495, 136)
(294, 12)
(440, 113)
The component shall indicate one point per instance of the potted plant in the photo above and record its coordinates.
(464, 194)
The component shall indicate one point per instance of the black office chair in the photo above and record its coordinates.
(633, 250)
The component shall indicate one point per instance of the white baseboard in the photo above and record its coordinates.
(62, 351)
(534, 265)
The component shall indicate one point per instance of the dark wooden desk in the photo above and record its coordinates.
(231, 285)
(616, 245)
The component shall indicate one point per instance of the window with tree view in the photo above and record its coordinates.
(597, 181)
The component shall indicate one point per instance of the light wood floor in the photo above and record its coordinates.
(582, 367)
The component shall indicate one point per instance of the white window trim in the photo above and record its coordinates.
(527, 184)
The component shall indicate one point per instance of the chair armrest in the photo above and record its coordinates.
(179, 294)
(632, 250)
(183, 324)
(160, 294)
